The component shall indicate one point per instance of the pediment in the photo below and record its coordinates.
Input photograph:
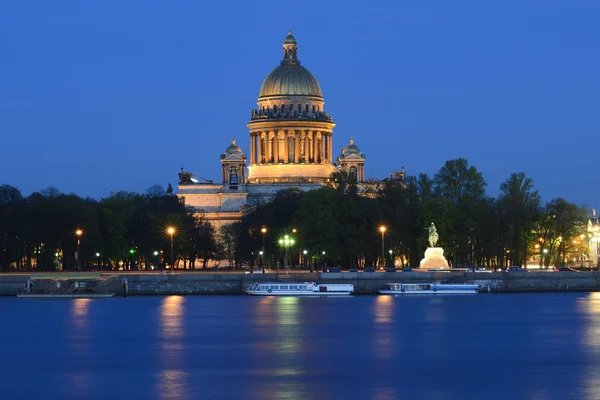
(233, 158)
(352, 157)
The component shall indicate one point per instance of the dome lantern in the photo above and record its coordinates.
(290, 78)
(290, 51)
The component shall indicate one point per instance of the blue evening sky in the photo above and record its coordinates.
(99, 96)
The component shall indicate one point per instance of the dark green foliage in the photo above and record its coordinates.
(123, 230)
(337, 224)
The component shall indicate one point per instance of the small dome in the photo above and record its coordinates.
(233, 148)
(290, 39)
(352, 148)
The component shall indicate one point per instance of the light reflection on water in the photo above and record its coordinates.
(172, 379)
(79, 312)
(590, 305)
(280, 326)
(529, 346)
(385, 339)
(383, 342)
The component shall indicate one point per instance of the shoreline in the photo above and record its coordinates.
(365, 283)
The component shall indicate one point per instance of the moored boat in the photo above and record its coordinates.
(429, 288)
(299, 289)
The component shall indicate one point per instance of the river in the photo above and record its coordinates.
(503, 346)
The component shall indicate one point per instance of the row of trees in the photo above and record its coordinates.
(338, 224)
(122, 231)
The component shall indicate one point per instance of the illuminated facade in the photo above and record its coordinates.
(290, 147)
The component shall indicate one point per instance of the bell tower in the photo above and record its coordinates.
(233, 165)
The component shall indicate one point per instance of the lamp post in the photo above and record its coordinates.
(263, 230)
(304, 253)
(285, 242)
(391, 259)
(171, 231)
(382, 230)
(294, 230)
(78, 232)
(97, 259)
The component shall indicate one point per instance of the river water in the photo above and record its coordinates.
(503, 346)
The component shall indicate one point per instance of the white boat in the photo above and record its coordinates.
(299, 289)
(429, 288)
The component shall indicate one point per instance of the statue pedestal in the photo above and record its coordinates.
(434, 259)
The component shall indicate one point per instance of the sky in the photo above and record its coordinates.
(100, 96)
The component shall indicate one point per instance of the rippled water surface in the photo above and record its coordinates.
(518, 346)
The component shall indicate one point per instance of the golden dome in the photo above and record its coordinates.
(290, 78)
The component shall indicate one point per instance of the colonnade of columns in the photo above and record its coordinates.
(290, 146)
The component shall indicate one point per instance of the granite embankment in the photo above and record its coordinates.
(365, 283)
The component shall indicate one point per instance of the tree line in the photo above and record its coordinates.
(338, 224)
(125, 230)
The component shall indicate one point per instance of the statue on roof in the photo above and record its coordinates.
(185, 177)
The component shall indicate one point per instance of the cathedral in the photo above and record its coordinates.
(290, 147)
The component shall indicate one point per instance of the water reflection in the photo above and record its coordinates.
(383, 342)
(590, 305)
(79, 312)
(172, 377)
(434, 313)
(282, 343)
(80, 383)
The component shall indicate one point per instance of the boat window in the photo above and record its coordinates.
(397, 287)
(284, 287)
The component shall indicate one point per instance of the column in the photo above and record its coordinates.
(286, 147)
(252, 149)
(296, 147)
(269, 147)
(276, 147)
(315, 148)
(258, 146)
(330, 146)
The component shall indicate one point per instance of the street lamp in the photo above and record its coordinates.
(78, 232)
(382, 230)
(263, 230)
(304, 253)
(171, 231)
(286, 242)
